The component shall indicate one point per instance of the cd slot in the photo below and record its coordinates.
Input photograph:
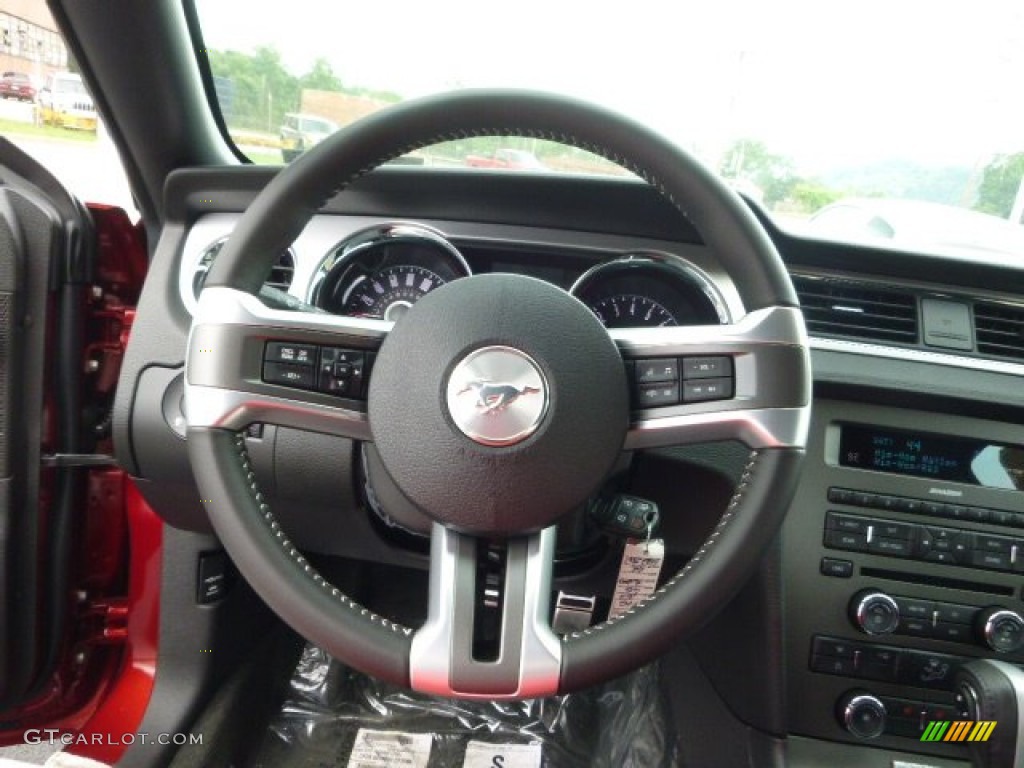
(937, 581)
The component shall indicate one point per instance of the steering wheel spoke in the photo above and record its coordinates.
(487, 633)
(749, 381)
(252, 363)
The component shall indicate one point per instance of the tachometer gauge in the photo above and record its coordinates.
(389, 293)
(383, 270)
(647, 290)
(631, 311)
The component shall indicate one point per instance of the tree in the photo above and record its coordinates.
(263, 90)
(999, 184)
(751, 160)
(321, 77)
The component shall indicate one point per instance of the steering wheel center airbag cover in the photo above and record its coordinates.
(429, 416)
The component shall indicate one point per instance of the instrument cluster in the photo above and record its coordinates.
(381, 271)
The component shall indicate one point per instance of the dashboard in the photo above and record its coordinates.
(902, 552)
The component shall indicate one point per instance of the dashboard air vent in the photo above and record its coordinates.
(280, 274)
(857, 310)
(999, 330)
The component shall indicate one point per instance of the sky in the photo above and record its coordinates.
(829, 84)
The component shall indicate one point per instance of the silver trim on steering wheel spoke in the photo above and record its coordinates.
(770, 403)
(224, 386)
(529, 661)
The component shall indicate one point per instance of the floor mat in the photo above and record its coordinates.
(334, 717)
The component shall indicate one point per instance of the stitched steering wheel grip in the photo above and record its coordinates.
(222, 397)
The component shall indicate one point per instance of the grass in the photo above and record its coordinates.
(9, 127)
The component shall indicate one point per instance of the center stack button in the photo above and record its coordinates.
(874, 612)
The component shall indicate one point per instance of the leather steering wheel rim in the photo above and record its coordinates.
(323, 614)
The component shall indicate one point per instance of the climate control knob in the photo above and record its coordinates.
(1001, 629)
(874, 612)
(861, 714)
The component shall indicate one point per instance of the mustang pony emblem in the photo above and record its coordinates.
(493, 398)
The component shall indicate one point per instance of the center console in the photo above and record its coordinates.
(904, 553)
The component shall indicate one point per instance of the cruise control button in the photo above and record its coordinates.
(289, 375)
(707, 367)
(664, 369)
(699, 390)
(286, 352)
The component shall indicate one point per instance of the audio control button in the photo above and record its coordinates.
(855, 542)
(890, 547)
(915, 609)
(875, 613)
(1002, 629)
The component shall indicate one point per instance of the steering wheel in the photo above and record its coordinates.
(486, 474)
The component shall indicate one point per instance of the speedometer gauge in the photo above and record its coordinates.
(383, 270)
(389, 293)
(631, 311)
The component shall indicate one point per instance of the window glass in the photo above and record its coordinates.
(46, 110)
(797, 104)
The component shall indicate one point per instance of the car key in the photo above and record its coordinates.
(626, 515)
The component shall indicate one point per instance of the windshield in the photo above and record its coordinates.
(826, 114)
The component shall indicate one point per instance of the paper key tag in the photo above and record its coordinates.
(480, 754)
(390, 749)
(638, 574)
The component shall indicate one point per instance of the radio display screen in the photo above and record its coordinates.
(937, 457)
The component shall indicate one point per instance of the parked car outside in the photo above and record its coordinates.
(508, 159)
(17, 85)
(300, 132)
(64, 101)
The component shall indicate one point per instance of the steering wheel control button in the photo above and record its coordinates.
(497, 396)
(342, 372)
(707, 367)
(648, 371)
(293, 354)
(655, 395)
(701, 390)
(299, 376)
(659, 382)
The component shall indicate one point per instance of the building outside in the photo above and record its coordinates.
(29, 40)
